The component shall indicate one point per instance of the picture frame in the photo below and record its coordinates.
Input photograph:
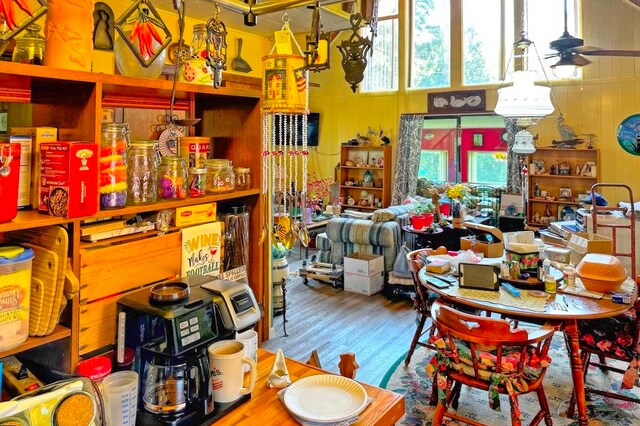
(454, 102)
(565, 193)
(566, 212)
(477, 139)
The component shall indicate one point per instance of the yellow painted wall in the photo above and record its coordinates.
(608, 93)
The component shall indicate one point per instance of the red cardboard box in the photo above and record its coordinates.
(69, 178)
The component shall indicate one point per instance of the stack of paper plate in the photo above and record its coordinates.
(325, 398)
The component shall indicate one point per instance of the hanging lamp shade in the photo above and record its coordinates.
(523, 143)
(524, 99)
(284, 84)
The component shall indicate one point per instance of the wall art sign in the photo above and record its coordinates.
(202, 249)
(456, 102)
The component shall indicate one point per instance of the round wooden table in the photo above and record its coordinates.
(574, 308)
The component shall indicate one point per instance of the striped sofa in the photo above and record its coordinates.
(380, 235)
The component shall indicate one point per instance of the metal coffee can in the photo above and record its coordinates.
(195, 149)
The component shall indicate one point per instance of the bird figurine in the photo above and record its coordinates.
(568, 137)
(385, 139)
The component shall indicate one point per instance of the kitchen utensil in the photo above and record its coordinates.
(12, 407)
(239, 64)
(46, 265)
(120, 391)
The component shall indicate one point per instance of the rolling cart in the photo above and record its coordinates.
(321, 271)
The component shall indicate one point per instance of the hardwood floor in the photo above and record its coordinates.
(333, 321)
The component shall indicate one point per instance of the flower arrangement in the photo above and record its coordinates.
(457, 191)
(317, 190)
(278, 251)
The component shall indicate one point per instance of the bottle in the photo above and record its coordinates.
(546, 268)
(172, 178)
(30, 47)
(243, 177)
(504, 270)
(570, 275)
(550, 284)
(142, 173)
(113, 166)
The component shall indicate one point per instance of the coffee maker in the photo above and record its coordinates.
(170, 325)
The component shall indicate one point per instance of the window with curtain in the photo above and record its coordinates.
(381, 73)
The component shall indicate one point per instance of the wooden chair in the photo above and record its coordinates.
(347, 364)
(478, 351)
(421, 302)
(621, 337)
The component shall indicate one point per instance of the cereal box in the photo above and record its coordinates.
(69, 179)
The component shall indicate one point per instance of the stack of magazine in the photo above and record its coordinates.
(563, 228)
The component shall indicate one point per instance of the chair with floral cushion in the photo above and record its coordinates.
(486, 353)
(616, 338)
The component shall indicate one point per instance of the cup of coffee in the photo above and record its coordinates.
(226, 359)
(250, 340)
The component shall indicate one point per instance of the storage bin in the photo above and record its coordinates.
(15, 290)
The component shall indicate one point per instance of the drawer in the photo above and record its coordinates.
(97, 324)
(110, 270)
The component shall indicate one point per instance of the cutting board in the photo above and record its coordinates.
(44, 268)
(55, 239)
(36, 305)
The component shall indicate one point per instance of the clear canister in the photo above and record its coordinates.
(220, 176)
(197, 181)
(30, 47)
(15, 290)
(172, 178)
(243, 177)
(142, 172)
(195, 149)
(113, 165)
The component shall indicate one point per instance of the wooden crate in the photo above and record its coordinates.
(97, 324)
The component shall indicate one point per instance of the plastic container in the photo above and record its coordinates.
(30, 47)
(96, 368)
(113, 166)
(243, 178)
(142, 173)
(197, 182)
(15, 291)
(220, 176)
(9, 179)
(172, 178)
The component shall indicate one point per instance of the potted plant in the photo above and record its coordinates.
(280, 267)
(422, 215)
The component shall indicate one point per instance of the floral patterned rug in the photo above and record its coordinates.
(414, 384)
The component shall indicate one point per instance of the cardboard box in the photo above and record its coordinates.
(364, 264)
(361, 284)
(24, 176)
(69, 179)
(478, 243)
(193, 215)
(582, 243)
(38, 136)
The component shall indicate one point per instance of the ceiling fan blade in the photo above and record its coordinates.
(596, 51)
(580, 60)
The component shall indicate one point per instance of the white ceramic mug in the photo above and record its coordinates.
(225, 361)
(250, 340)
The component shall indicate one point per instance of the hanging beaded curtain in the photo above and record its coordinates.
(285, 107)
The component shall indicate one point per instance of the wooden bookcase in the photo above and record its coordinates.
(73, 101)
(563, 186)
(374, 159)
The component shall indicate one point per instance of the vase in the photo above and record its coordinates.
(128, 64)
(308, 215)
(68, 31)
(280, 270)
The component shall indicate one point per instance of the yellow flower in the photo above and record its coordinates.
(457, 191)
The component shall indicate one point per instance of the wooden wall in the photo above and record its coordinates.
(607, 94)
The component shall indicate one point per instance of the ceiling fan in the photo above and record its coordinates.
(569, 50)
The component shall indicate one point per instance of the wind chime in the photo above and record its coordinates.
(285, 107)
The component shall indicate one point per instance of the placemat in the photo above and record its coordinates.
(501, 297)
(346, 422)
(579, 290)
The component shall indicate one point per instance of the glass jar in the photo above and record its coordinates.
(30, 47)
(142, 172)
(113, 167)
(195, 69)
(197, 180)
(243, 177)
(172, 178)
(220, 176)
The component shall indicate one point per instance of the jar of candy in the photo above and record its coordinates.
(113, 167)
(172, 178)
(142, 172)
(197, 180)
(220, 176)
(243, 177)
(30, 47)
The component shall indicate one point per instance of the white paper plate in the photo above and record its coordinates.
(325, 398)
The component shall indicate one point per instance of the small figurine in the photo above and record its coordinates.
(577, 169)
(547, 211)
(536, 190)
(367, 179)
(536, 217)
(348, 365)
(553, 170)
(279, 377)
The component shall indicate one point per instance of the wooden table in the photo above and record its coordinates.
(578, 308)
(264, 407)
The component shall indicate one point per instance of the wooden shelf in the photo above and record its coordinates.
(60, 332)
(362, 168)
(363, 147)
(563, 177)
(355, 207)
(536, 200)
(366, 188)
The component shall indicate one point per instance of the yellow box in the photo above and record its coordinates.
(38, 135)
(193, 215)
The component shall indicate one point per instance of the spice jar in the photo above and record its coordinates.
(142, 171)
(113, 167)
(96, 368)
(30, 47)
(220, 176)
(172, 178)
(197, 180)
(243, 177)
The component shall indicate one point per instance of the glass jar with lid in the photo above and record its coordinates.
(30, 47)
(220, 176)
(142, 172)
(195, 68)
(243, 177)
(113, 166)
(197, 181)
(172, 178)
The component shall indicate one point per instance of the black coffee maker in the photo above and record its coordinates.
(170, 326)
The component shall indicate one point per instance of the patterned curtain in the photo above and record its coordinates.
(514, 161)
(407, 157)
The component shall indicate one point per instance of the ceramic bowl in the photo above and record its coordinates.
(601, 272)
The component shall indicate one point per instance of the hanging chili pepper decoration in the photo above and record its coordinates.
(6, 11)
(8, 16)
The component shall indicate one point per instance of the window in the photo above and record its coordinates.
(433, 165)
(487, 167)
(488, 30)
(381, 72)
(431, 44)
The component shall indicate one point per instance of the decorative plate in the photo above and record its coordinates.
(629, 134)
(168, 142)
(325, 398)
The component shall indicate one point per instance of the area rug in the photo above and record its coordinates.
(413, 383)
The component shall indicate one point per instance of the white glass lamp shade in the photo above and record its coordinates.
(564, 71)
(523, 143)
(523, 98)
